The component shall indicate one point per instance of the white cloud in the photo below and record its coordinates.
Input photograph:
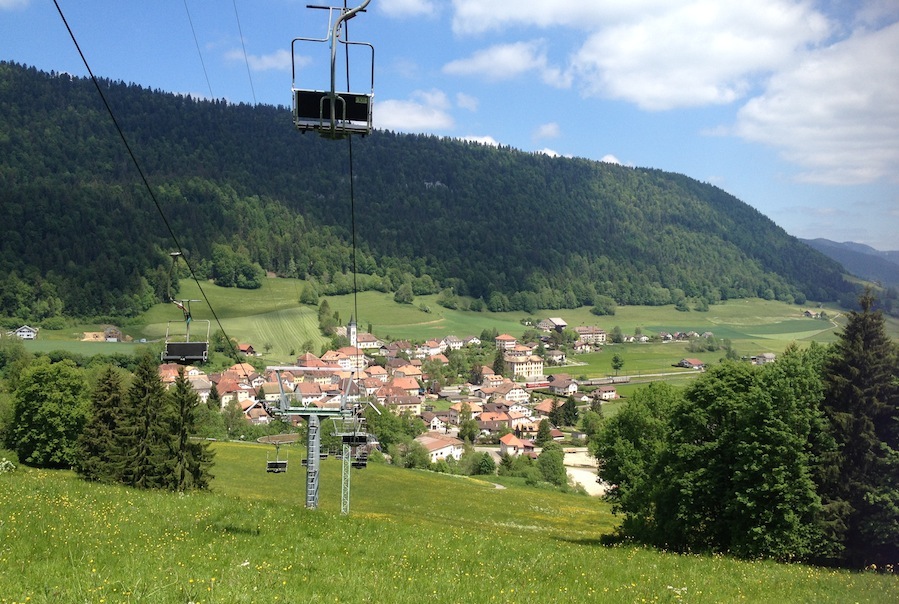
(550, 130)
(408, 8)
(695, 53)
(483, 140)
(466, 101)
(278, 60)
(425, 111)
(610, 159)
(13, 4)
(507, 61)
(836, 113)
(549, 152)
(658, 54)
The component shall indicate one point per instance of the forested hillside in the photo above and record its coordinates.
(243, 191)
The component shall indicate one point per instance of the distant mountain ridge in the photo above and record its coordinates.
(238, 184)
(861, 260)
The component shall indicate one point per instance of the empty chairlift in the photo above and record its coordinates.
(329, 109)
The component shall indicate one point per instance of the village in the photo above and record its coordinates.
(508, 410)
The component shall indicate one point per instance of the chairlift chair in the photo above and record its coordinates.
(334, 113)
(276, 465)
(179, 348)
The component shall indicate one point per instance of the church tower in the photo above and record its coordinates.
(351, 332)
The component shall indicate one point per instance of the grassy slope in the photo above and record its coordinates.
(411, 537)
(271, 315)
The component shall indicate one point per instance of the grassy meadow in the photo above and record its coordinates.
(272, 320)
(411, 537)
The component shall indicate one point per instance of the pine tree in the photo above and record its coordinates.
(146, 443)
(543, 433)
(862, 404)
(214, 401)
(97, 442)
(191, 459)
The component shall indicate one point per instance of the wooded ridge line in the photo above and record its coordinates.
(515, 230)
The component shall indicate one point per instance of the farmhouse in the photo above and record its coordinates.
(512, 445)
(441, 446)
(24, 333)
(691, 364)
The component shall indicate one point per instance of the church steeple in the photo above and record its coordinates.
(351, 331)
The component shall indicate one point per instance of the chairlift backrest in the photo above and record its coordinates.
(331, 112)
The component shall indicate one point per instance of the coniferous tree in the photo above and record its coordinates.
(214, 401)
(862, 404)
(569, 412)
(97, 442)
(146, 442)
(543, 433)
(191, 459)
(499, 362)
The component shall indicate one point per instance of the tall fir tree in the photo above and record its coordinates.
(97, 459)
(144, 432)
(215, 399)
(192, 459)
(862, 403)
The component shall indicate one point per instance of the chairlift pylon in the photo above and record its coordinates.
(334, 113)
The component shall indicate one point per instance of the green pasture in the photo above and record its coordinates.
(411, 537)
(272, 320)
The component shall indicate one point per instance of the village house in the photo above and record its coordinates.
(555, 357)
(508, 390)
(528, 367)
(512, 445)
(377, 372)
(457, 409)
(451, 343)
(764, 358)
(493, 421)
(605, 393)
(246, 349)
(308, 393)
(367, 341)
(552, 324)
(563, 387)
(441, 446)
(591, 334)
(408, 385)
(505, 342)
(582, 347)
(691, 364)
(24, 332)
(434, 422)
(404, 404)
(202, 386)
(545, 407)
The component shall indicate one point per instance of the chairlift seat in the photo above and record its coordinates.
(276, 466)
(355, 440)
(185, 352)
(312, 111)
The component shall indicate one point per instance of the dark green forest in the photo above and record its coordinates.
(244, 193)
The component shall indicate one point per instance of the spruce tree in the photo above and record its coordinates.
(97, 442)
(862, 404)
(215, 399)
(146, 443)
(191, 459)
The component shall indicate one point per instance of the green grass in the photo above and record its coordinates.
(411, 537)
(272, 320)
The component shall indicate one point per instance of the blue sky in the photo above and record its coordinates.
(792, 106)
